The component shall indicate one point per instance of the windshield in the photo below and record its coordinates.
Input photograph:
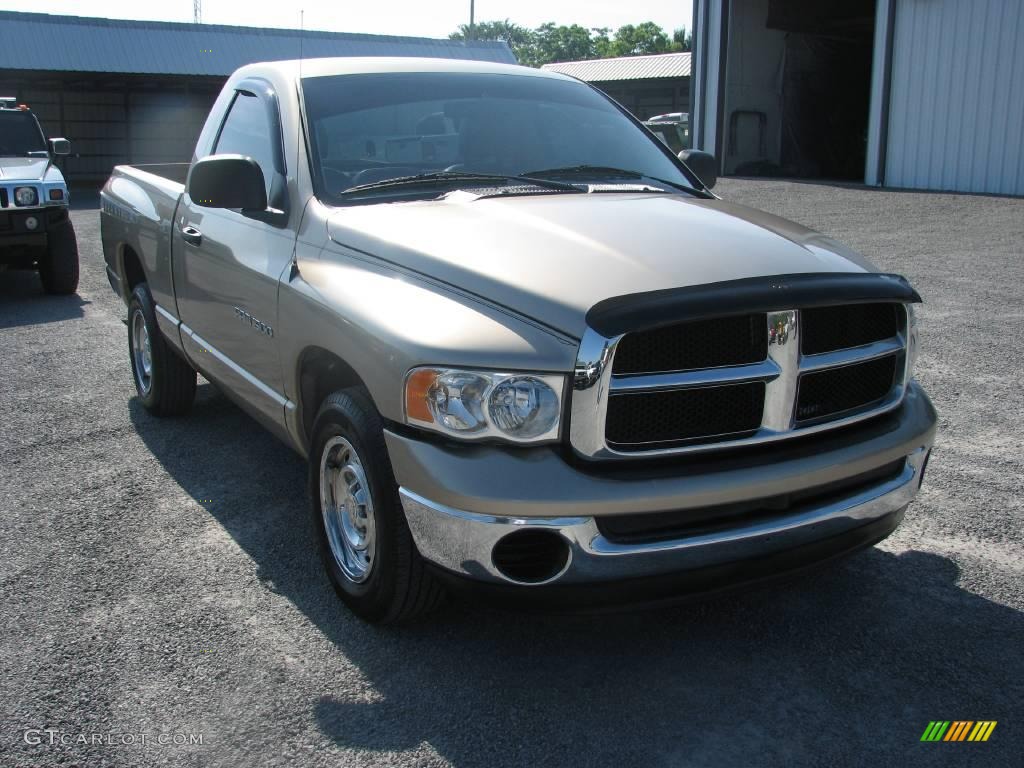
(373, 127)
(20, 135)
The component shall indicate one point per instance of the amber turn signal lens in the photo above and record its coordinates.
(417, 390)
(56, 194)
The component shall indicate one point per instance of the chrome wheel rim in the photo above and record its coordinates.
(347, 508)
(142, 353)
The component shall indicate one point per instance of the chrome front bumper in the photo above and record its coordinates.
(462, 542)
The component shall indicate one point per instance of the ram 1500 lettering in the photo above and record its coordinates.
(520, 342)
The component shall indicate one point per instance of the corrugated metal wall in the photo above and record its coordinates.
(956, 117)
(144, 121)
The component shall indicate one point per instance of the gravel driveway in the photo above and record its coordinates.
(158, 576)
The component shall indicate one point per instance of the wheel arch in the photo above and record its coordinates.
(130, 267)
(319, 373)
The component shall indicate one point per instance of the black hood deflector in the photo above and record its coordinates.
(654, 309)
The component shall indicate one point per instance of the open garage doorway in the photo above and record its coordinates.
(797, 88)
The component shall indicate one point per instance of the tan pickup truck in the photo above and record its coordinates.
(518, 355)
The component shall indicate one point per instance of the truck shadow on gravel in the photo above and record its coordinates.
(845, 667)
(23, 301)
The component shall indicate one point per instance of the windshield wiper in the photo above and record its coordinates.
(604, 172)
(587, 170)
(447, 177)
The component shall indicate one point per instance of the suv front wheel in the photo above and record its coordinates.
(58, 268)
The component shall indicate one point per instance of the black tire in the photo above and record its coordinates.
(58, 267)
(397, 587)
(170, 386)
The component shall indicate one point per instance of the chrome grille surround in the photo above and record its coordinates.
(594, 383)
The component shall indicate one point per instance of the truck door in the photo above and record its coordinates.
(228, 264)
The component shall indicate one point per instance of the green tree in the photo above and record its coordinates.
(519, 39)
(602, 42)
(562, 43)
(682, 40)
(552, 42)
(641, 39)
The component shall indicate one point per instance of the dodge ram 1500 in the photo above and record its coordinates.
(519, 341)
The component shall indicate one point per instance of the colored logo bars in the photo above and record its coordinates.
(958, 730)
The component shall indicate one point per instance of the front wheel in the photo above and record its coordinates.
(58, 267)
(364, 539)
(165, 382)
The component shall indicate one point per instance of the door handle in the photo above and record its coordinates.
(191, 235)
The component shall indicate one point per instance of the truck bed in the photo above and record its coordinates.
(140, 202)
(177, 172)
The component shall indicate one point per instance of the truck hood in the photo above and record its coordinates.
(552, 257)
(24, 168)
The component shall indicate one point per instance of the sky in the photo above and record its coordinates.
(422, 18)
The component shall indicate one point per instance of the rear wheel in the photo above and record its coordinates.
(58, 268)
(364, 539)
(165, 382)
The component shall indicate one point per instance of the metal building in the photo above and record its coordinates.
(645, 85)
(925, 94)
(139, 91)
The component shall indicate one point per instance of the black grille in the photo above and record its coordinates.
(838, 390)
(660, 526)
(722, 341)
(825, 329)
(636, 421)
(3, 198)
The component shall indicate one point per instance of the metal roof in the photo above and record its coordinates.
(39, 41)
(626, 67)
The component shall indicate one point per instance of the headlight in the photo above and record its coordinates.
(912, 340)
(25, 196)
(472, 405)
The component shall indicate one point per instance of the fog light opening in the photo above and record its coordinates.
(531, 556)
(31, 223)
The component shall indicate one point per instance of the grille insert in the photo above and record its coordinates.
(636, 421)
(720, 382)
(835, 391)
(721, 341)
(826, 329)
(663, 526)
(3, 198)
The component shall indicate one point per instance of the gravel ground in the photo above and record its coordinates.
(158, 576)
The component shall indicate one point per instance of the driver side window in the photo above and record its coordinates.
(246, 131)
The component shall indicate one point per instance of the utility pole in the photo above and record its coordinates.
(472, 4)
(197, 11)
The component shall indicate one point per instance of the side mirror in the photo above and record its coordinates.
(227, 181)
(60, 146)
(702, 164)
